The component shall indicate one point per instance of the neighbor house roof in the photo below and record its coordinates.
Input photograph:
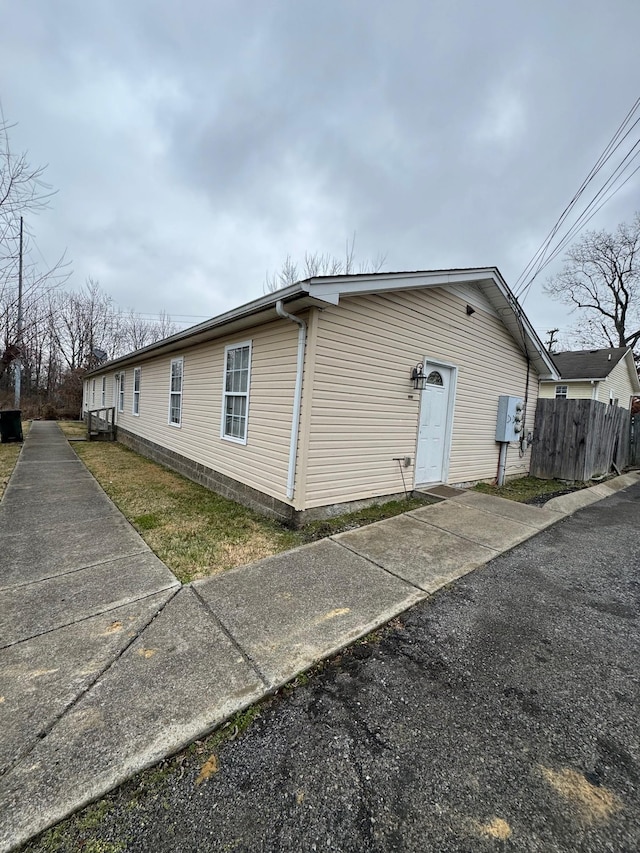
(323, 290)
(588, 363)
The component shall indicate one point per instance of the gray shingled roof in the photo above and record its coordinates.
(587, 363)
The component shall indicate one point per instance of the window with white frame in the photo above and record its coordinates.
(93, 392)
(561, 392)
(103, 395)
(235, 397)
(175, 392)
(136, 390)
(121, 391)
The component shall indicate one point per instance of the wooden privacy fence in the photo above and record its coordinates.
(634, 440)
(578, 439)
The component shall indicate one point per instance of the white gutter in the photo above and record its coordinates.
(297, 394)
(562, 381)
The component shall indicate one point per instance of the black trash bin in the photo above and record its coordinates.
(10, 425)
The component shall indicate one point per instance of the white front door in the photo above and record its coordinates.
(434, 427)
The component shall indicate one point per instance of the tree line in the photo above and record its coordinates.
(52, 334)
(64, 334)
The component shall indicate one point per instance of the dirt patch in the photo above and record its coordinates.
(495, 828)
(592, 803)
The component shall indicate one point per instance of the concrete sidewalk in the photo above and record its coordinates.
(108, 665)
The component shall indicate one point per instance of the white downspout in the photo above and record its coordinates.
(297, 395)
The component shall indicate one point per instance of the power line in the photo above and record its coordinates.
(548, 251)
(547, 256)
(613, 144)
(585, 217)
(584, 220)
(169, 314)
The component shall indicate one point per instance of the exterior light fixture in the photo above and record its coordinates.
(417, 376)
(470, 310)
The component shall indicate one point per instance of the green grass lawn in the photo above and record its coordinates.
(193, 530)
(9, 453)
(527, 488)
(73, 429)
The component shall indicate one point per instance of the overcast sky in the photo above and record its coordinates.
(195, 145)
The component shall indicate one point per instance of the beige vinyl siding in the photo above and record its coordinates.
(365, 411)
(575, 390)
(263, 462)
(88, 403)
(619, 382)
(109, 391)
(547, 390)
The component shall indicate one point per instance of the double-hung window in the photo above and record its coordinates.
(235, 397)
(136, 390)
(93, 392)
(103, 396)
(561, 392)
(120, 377)
(175, 392)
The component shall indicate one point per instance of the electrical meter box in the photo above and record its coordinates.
(510, 416)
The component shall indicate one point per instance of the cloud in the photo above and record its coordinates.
(503, 121)
(194, 147)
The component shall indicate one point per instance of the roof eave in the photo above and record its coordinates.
(252, 313)
(331, 288)
(542, 360)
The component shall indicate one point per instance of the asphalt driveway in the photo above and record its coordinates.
(500, 714)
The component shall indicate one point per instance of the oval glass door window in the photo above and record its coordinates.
(434, 378)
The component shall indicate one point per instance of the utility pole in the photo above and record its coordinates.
(17, 364)
(552, 339)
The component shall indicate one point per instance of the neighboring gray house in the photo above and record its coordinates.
(302, 402)
(607, 375)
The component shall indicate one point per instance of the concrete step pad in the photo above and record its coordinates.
(177, 682)
(35, 608)
(475, 525)
(50, 475)
(42, 676)
(291, 610)
(419, 553)
(32, 493)
(48, 452)
(22, 512)
(536, 517)
(30, 555)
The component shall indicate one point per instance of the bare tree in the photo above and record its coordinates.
(164, 327)
(87, 328)
(22, 191)
(601, 281)
(138, 332)
(319, 264)
(22, 186)
(82, 324)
